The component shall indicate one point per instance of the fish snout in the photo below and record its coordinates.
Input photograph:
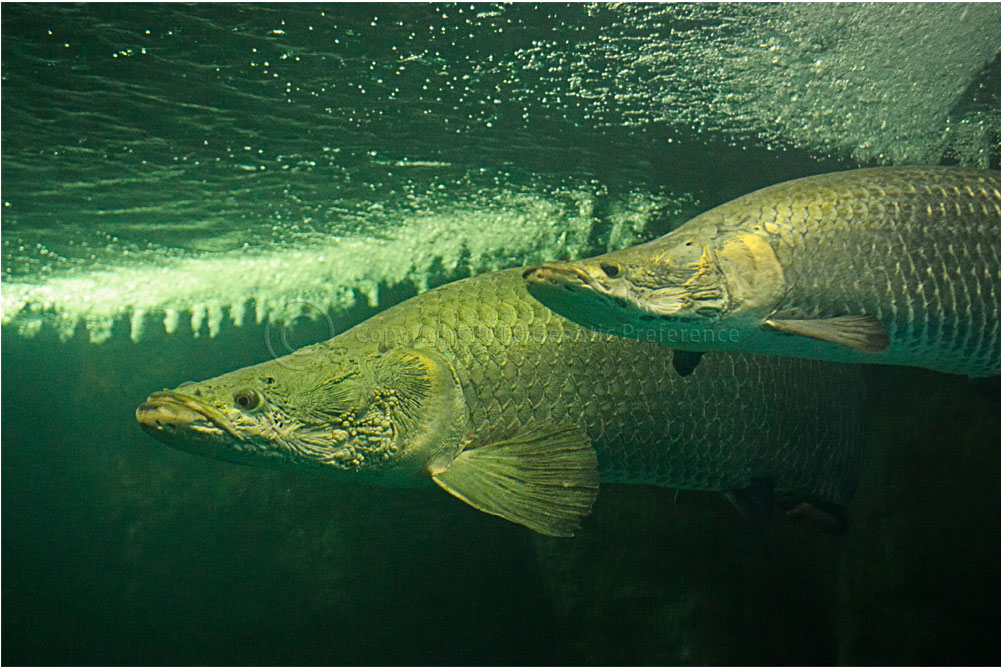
(152, 414)
(558, 274)
(170, 409)
(166, 408)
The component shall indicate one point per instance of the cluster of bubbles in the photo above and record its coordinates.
(205, 291)
(194, 165)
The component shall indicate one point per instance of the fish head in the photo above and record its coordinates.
(634, 290)
(327, 408)
(697, 277)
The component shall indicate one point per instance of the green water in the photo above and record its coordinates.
(171, 172)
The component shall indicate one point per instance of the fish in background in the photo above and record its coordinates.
(478, 388)
(889, 265)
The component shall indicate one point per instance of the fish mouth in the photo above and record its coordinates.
(169, 409)
(675, 300)
(559, 274)
(574, 294)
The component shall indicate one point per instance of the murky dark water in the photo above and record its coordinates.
(209, 160)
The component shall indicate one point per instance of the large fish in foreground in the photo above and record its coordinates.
(894, 265)
(519, 412)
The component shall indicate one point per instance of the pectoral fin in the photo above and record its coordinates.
(859, 332)
(545, 478)
(685, 361)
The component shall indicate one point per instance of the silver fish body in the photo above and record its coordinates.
(479, 366)
(890, 265)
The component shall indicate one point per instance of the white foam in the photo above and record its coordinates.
(875, 81)
(319, 276)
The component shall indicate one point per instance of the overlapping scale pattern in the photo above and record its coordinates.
(739, 416)
(917, 247)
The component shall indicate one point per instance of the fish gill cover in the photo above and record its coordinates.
(213, 164)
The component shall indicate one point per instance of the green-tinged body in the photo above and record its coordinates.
(479, 366)
(894, 265)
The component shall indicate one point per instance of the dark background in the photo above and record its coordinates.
(119, 550)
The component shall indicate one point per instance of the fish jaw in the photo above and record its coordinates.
(184, 422)
(578, 295)
(188, 423)
(169, 409)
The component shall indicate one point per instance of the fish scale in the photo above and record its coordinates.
(743, 415)
(951, 317)
(960, 279)
(888, 265)
(478, 388)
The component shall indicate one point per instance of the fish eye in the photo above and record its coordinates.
(247, 400)
(611, 270)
